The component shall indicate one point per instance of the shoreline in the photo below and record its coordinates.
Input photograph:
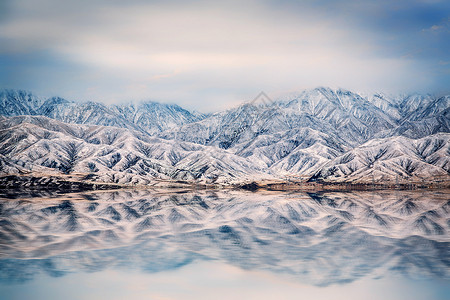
(17, 186)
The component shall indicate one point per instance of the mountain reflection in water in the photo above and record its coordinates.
(319, 238)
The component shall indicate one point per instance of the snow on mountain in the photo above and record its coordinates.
(149, 117)
(392, 159)
(433, 124)
(344, 114)
(352, 117)
(435, 107)
(113, 154)
(296, 136)
(17, 102)
(386, 103)
(84, 113)
(155, 117)
(412, 103)
(295, 151)
(304, 134)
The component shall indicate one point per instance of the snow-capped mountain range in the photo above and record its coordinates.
(317, 135)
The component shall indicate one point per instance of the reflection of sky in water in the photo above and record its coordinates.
(215, 281)
(121, 245)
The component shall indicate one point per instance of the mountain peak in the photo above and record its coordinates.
(333, 130)
(18, 102)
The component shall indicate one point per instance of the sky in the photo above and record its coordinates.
(210, 55)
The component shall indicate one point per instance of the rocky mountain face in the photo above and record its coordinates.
(14, 103)
(397, 157)
(111, 154)
(320, 134)
(149, 117)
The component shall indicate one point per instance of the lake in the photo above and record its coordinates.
(142, 244)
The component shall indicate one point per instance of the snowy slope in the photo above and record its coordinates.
(84, 113)
(154, 117)
(351, 116)
(310, 133)
(17, 102)
(149, 117)
(421, 127)
(340, 112)
(113, 154)
(392, 159)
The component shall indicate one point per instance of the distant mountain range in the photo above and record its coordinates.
(316, 135)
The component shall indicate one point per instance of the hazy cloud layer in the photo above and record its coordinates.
(209, 55)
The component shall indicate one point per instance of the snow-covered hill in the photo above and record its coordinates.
(149, 117)
(14, 103)
(112, 154)
(326, 134)
(341, 113)
(392, 159)
(155, 117)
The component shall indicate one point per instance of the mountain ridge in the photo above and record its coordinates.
(320, 134)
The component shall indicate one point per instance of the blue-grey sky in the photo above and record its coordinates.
(208, 55)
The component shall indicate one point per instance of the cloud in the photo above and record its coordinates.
(207, 55)
(168, 75)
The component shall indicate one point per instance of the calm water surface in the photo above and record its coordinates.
(222, 245)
